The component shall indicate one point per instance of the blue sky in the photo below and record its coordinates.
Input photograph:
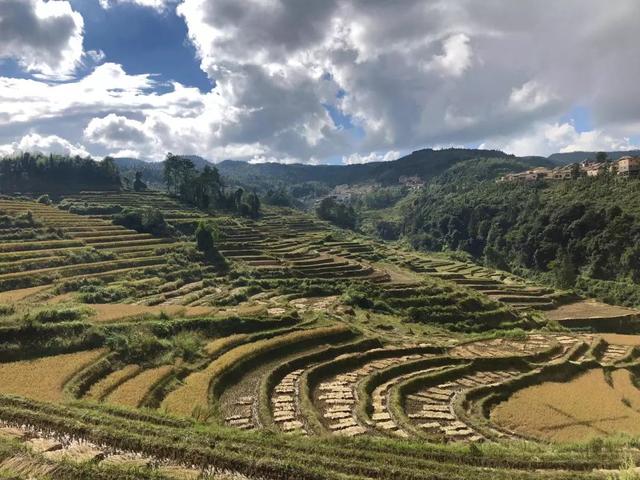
(333, 82)
(142, 40)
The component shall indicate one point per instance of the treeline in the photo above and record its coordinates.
(37, 173)
(582, 234)
(204, 188)
(338, 213)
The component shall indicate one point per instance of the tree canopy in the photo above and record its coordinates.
(38, 173)
(204, 189)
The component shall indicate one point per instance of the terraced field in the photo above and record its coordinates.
(318, 354)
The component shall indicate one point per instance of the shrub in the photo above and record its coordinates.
(78, 284)
(147, 220)
(92, 208)
(136, 346)
(188, 345)
(22, 220)
(44, 199)
(206, 237)
(101, 294)
(56, 315)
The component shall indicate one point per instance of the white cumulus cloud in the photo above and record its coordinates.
(310, 81)
(114, 131)
(43, 36)
(356, 158)
(548, 138)
(35, 142)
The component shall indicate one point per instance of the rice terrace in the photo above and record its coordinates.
(319, 240)
(144, 337)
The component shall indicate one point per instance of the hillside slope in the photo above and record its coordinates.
(583, 233)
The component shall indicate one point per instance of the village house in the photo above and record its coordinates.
(413, 182)
(539, 173)
(563, 173)
(625, 167)
(628, 166)
(593, 169)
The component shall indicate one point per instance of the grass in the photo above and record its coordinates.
(44, 378)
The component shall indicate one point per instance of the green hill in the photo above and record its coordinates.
(582, 233)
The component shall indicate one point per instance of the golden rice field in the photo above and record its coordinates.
(132, 392)
(576, 410)
(112, 312)
(44, 378)
(12, 296)
(621, 339)
(106, 385)
(193, 395)
(289, 341)
(219, 345)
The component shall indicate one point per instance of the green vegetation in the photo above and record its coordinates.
(204, 189)
(34, 173)
(214, 341)
(582, 233)
(147, 220)
(207, 235)
(337, 213)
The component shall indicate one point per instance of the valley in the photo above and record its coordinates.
(314, 350)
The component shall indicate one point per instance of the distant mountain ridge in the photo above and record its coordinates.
(574, 157)
(425, 163)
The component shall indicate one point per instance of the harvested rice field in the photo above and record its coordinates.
(589, 312)
(590, 405)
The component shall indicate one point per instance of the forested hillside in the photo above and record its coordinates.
(582, 233)
(265, 176)
(33, 173)
(424, 163)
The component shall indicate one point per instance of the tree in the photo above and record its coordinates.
(254, 205)
(171, 173)
(138, 184)
(630, 261)
(178, 175)
(602, 157)
(278, 197)
(575, 170)
(203, 190)
(38, 173)
(145, 220)
(206, 237)
(564, 270)
(338, 213)
(237, 199)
